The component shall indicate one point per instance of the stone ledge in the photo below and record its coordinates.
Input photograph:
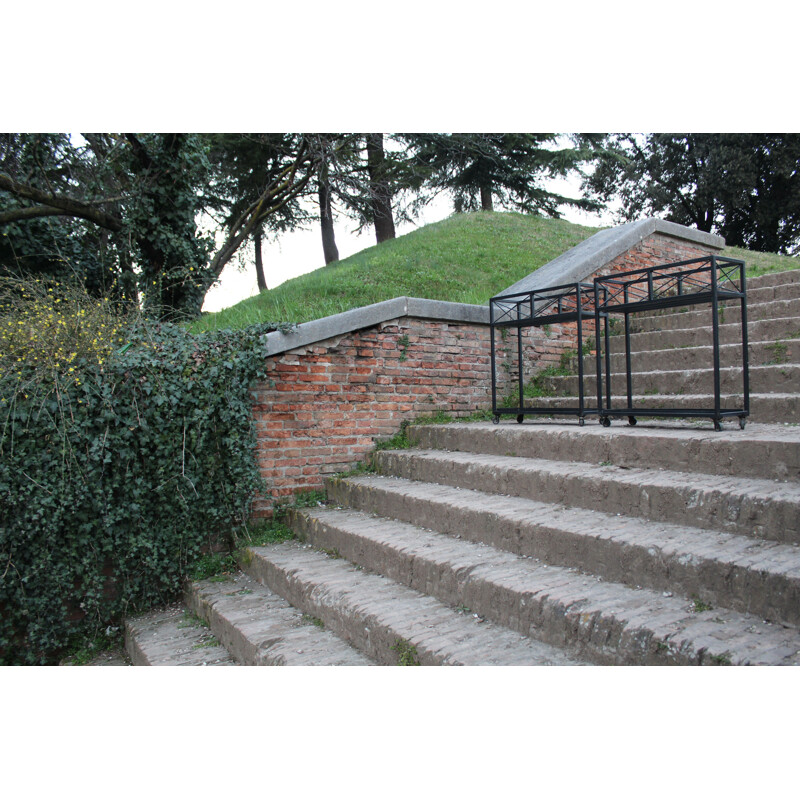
(367, 316)
(594, 253)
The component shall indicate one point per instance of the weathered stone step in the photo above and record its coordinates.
(757, 577)
(755, 296)
(766, 330)
(773, 279)
(261, 629)
(760, 354)
(751, 507)
(759, 451)
(389, 622)
(774, 309)
(767, 408)
(780, 378)
(173, 636)
(605, 622)
(777, 291)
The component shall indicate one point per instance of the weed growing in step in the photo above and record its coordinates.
(309, 499)
(699, 605)
(213, 565)
(266, 532)
(721, 659)
(779, 352)
(208, 640)
(191, 620)
(362, 468)
(406, 653)
(399, 441)
(82, 649)
(308, 619)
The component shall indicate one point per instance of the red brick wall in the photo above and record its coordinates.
(325, 403)
(654, 250)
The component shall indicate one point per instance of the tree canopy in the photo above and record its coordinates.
(144, 196)
(479, 169)
(743, 186)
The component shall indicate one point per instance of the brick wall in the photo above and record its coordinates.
(655, 249)
(325, 403)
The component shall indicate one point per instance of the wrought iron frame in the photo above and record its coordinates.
(706, 280)
(570, 302)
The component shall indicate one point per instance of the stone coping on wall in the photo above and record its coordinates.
(592, 254)
(367, 316)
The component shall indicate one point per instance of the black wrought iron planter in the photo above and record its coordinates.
(572, 302)
(702, 281)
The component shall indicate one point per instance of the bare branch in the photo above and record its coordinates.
(70, 206)
(31, 213)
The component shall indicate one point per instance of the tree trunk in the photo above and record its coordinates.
(262, 282)
(380, 191)
(329, 248)
(486, 198)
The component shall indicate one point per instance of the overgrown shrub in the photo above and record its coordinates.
(126, 450)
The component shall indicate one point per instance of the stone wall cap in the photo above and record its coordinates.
(592, 254)
(308, 333)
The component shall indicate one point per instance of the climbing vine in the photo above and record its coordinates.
(126, 451)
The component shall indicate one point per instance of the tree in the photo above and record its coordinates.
(364, 179)
(60, 243)
(745, 187)
(244, 166)
(481, 168)
(147, 192)
(380, 188)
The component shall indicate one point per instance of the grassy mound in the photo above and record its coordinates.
(466, 258)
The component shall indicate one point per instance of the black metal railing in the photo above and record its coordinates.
(571, 302)
(709, 281)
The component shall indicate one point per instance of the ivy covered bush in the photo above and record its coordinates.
(126, 451)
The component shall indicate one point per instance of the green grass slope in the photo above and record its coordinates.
(467, 258)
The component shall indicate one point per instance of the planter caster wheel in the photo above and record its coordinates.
(605, 422)
(631, 420)
(742, 423)
(520, 417)
(496, 419)
(717, 425)
(581, 421)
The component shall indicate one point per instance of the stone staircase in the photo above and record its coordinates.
(543, 543)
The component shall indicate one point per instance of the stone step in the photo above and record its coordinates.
(605, 622)
(760, 354)
(750, 507)
(752, 576)
(392, 624)
(766, 408)
(773, 279)
(173, 636)
(777, 291)
(261, 629)
(759, 451)
(780, 378)
(766, 330)
(729, 314)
